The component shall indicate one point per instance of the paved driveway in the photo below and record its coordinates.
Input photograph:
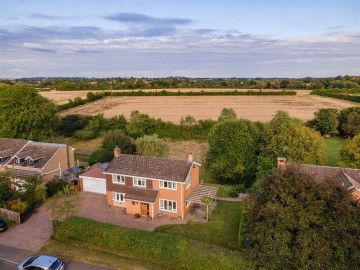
(94, 207)
(30, 235)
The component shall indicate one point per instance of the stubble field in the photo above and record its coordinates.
(255, 108)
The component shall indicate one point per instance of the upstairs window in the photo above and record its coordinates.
(188, 182)
(139, 182)
(18, 160)
(168, 185)
(118, 179)
(29, 162)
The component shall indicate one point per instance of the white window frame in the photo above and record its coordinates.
(168, 205)
(136, 181)
(188, 181)
(118, 197)
(30, 162)
(168, 185)
(118, 179)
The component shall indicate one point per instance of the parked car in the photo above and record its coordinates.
(41, 262)
(3, 224)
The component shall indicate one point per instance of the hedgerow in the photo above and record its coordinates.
(170, 251)
(344, 94)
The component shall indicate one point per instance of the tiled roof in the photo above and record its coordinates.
(344, 177)
(9, 147)
(141, 194)
(43, 152)
(150, 167)
(96, 172)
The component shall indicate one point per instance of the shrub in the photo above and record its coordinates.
(151, 146)
(84, 135)
(20, 207)
(54, 186)
(118, 138)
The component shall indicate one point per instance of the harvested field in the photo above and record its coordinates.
(62, 97)
(255, 108)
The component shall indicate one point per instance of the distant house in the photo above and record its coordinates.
(151, 186)
(26, 158)
(342, 177)
(94, 179)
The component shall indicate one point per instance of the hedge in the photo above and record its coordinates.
(337, 93)
(169, 251)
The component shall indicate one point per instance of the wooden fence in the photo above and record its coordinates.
(14, 216)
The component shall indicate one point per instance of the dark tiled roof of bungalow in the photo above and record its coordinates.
(344, 177)
(9, 147)
(141, 194)
(151, 167)
(39, 152)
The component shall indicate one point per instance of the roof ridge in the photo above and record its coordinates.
(324, 166)
(152, 157)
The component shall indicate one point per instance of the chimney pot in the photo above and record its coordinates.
(281, 161)
(190, 157)
(117, 151)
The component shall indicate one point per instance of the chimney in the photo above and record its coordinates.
(117, 151)
(281, 161)
(190, 157)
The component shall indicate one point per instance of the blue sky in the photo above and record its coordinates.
(244, 38)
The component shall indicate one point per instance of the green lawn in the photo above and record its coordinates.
(333, 150)
(222, 229)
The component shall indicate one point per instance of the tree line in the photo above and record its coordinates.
(118, 83)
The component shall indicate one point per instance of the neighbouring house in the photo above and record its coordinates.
(24, 158)
(343, 177)
(151, 186)
(94, 179)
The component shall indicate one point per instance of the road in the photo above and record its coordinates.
(11, 256)
(6, 265)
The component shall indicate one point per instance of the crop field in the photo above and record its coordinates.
(255, 108)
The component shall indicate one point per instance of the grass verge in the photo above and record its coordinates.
(80, 251)
(333, 146)
(221, 230)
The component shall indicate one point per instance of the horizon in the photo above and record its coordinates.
(160, 39)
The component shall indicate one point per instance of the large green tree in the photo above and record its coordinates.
(350, 121)
(24, 113)
(294, 222)
(289, 136)
(326, 121)
(232, 151)
(350, 153)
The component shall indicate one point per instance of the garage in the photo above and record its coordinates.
(94, 180)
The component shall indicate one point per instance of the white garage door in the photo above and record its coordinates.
(94, 185)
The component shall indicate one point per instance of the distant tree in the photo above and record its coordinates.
(350, 153)
(64, 204)
(24, 113)
(227, 114)
(349, 119)
(151, 145)
(352, 124)
(139, 124)
(117, 122)
(100, 156)
(293, 222)
(326, 121)
(302, 143)
(71, 123)
(187, 121)
(232, 151)
(97, 124)
(118, 138)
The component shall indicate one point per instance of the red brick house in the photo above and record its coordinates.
(343, 177)
(24, 158)
(151, 185)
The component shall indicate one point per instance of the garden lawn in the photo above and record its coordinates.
(333, 145)
(221, 230)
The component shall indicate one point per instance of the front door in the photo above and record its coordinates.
(144, 209)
